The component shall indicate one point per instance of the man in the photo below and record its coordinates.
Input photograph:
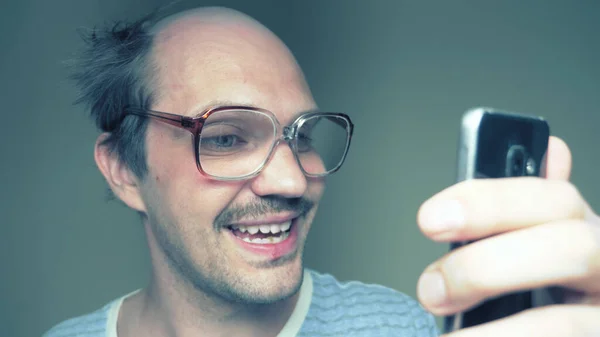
(226, 215)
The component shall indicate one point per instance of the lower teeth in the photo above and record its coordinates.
(270, 239)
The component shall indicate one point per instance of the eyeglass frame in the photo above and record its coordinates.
(289, 134)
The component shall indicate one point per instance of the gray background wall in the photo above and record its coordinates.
(404, 70)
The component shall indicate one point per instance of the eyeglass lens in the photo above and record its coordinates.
(235, 143)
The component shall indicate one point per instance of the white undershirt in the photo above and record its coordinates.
(291, 327)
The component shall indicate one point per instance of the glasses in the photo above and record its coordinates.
(236, 142)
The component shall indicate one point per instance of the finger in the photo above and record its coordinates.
(550, 321)
(559, 159)
(559, 167)
(562, 253)
(483, 207)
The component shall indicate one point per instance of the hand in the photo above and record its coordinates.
(533, 233)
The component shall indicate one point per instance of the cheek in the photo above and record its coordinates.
(180, 190)
(316, 188)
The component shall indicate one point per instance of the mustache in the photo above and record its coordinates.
(268, 204)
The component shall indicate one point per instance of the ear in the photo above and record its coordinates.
(123, 183)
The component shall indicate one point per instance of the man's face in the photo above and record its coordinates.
(189, 216)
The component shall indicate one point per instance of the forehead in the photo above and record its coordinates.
(200, 62)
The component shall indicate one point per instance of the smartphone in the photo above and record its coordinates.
(498, 144)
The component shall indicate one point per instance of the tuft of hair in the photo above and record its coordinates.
(114, 71)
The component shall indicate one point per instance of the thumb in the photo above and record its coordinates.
(559, 167)
(559, 161)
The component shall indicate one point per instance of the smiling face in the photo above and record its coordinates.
(240, 241)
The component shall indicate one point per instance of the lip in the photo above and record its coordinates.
(272, 250)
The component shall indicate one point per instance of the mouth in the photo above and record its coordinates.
(273, 240)
(262, 234)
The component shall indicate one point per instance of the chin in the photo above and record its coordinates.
(266, 285)
(276, 284)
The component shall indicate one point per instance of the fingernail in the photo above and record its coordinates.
(443, 216)
(432, 289)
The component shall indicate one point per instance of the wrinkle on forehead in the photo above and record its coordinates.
(214, 24)
(217, 30)
(200, 47)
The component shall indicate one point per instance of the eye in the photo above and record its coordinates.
(226, 143)
(223, 140)
(304, 142)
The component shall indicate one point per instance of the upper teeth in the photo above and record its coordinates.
(266, 228)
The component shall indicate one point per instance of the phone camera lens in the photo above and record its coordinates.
(517, 162)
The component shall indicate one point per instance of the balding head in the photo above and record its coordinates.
(218, 15)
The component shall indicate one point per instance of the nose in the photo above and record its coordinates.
(281, 175)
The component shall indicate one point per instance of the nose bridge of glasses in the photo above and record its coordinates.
(286, 137)
(287, 133)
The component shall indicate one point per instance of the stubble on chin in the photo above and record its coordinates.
(283, 280)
